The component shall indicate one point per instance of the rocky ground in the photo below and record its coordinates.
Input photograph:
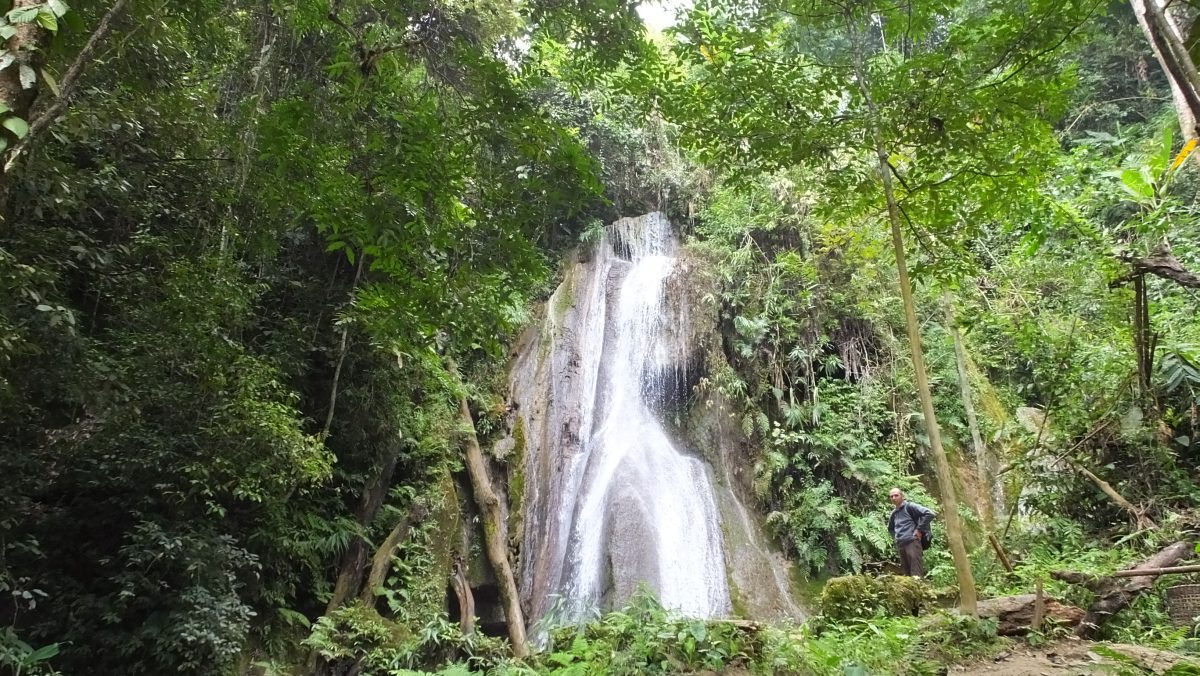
(1073, 658)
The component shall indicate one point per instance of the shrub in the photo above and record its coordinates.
(862, 596)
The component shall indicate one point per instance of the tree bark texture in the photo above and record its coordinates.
(382, 561)
(962, 564)
(1113, 594)
(1016, 614)
(495, 532)
(462, 591)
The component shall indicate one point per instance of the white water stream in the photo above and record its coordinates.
(637, 509)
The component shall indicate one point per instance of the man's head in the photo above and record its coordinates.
(896, 496)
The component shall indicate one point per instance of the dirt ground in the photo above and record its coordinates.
(1066, 658)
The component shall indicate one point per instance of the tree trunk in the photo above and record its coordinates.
(1139, 334)
(342, 350)
(382, 561)
(1113, 594)
(354, 561)
(28, 47)
(1184, 91)
(984, 462)
(962, 564)
(466, 599)
(495, 531)
(69, 82)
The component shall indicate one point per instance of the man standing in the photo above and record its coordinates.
(907, 524)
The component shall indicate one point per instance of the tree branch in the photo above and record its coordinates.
(69, 83)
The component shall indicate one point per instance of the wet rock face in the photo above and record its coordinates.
(631, 533)
(612, 500)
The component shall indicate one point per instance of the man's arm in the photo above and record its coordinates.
(927, 517)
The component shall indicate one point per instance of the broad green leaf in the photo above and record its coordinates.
(1136, 185)
(16, 125)
(7, 31)
(58, 7)
(24, 14)
(1158, 161)
(42, 654)
(7, 59)
(47, 20)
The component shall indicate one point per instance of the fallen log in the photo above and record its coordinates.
(1015, 614)
(1115, 592)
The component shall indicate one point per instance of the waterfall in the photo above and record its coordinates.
(611, 498)
(644, 511)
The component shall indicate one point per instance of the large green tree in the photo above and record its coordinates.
(938, 112)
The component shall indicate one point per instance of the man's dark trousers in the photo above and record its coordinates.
(912, 558)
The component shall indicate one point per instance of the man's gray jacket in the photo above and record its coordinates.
(901, 524)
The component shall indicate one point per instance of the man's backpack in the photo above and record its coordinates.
(926, 535)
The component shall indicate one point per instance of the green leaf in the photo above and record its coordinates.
(47, 20)
(7, 31)
(51, 83)
(1135, 184)
(42, 654)
(1161, 157)
(58, 7)
(16, 125)
(7, 59)
(24, 14)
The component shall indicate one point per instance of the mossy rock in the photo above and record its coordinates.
(860, 596)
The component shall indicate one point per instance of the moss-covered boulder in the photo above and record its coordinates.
(858, 596)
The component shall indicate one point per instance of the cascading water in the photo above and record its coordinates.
(644, 511)
(608, 497)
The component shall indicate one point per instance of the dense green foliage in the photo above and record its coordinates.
(231, 275)
(234, 271)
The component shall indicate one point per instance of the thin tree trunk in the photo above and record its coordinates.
(382, 561)
(494, 529)
(962, 564)
(984, 462)
(1141, 334)
(1139, 517)
(337, 371)
(466, 599)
